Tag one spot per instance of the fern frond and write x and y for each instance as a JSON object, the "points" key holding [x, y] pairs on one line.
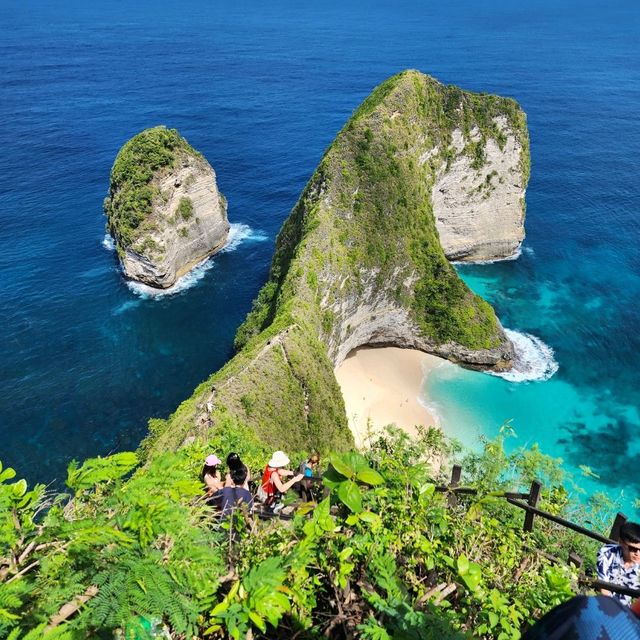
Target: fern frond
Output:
{"points": [[96, 470]]}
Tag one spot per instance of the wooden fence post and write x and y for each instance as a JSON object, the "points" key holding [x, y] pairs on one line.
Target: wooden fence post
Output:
{"points": [[575, 560], [617, 523], [534, 498], [456, 474]]}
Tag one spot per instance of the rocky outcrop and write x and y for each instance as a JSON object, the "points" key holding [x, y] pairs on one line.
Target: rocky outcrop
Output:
{"points": [[479, 210], [359, 262], [368, 238], [375, 319], [164, 209]]}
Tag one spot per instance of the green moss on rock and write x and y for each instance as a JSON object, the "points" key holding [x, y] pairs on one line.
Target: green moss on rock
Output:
{"points": [[131, 192], [185, 208]]}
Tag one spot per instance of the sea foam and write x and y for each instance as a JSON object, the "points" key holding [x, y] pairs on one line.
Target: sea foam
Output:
{"points": [[533, 359], [238, 234], [108, 242], [514, 256], [186, 282], [241, 234]]}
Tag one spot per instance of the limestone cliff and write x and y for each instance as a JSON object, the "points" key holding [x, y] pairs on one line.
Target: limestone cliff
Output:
{"points": [[359, 262], [164, 209], [478, 202]]}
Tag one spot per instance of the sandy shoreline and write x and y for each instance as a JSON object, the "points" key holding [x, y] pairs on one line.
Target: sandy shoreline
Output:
{"points": [[381, 386]]}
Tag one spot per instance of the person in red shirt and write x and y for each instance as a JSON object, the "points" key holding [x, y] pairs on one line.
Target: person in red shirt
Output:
{"points": [[273, 486]]}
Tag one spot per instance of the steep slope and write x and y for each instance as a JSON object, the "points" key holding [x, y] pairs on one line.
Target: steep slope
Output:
{"points": [[164, 209], [358, 262]]}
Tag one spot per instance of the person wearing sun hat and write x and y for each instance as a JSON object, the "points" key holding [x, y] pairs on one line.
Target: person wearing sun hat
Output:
{"points": [[272, 486], [211, 477]]}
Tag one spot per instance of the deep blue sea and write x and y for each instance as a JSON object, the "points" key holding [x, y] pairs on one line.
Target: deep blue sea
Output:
{"points": [[261, 89]]}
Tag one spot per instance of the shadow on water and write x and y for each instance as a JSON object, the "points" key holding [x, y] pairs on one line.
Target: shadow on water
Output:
{"points": [[609, 450]]}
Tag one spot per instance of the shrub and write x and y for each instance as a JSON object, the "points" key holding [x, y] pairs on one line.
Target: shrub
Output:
{"points": [[185, 208], [383, 556], [131, 192]]}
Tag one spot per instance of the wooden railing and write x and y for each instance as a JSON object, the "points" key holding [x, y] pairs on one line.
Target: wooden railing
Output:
{"points": [[528, 502]]}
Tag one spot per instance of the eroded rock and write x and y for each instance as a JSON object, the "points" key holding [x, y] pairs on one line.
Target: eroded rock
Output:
{"points": [[164, 209]]}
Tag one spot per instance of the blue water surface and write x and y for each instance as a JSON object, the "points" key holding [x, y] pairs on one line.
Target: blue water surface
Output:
{"points": [[261, 89]]}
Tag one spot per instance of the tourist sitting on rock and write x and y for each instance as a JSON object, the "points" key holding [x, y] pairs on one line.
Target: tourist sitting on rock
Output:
{"points": [[308, 468], [620, 563], [236, 492], [272, 488], [211, 477], [236, 466]]}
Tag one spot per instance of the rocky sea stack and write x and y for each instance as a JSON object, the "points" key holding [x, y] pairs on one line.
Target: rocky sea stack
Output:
{"points": [[164, 209], [359, 262]]}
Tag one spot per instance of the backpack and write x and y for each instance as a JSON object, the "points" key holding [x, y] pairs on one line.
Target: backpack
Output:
{"points": [[261, 494]]}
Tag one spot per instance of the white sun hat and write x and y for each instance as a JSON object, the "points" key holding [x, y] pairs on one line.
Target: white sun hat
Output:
{"points": [[279, 459]]}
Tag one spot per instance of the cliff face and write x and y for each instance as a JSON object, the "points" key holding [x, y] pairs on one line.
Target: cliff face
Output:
{"points": [[164, 209], [362, 244], [359, 262], [479, 207]]}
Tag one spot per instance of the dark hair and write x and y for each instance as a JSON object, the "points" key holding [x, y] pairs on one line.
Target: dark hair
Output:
{"points": [[630, 532], [234, 462], [208, 470], [239, 475]]}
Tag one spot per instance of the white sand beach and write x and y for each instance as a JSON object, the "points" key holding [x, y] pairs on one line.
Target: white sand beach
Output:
{"points": [[380, 386]]}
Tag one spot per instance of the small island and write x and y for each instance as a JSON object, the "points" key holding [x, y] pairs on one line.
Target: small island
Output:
{"points": [[164, 210]]}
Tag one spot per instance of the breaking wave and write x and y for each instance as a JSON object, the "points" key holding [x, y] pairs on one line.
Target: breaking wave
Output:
{"points": [[514, 256], [108, 242], [533, 359], [186, 282], [238, 234]]}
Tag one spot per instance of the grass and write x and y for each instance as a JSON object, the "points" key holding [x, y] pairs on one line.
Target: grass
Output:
{"points": [[185, 208]]}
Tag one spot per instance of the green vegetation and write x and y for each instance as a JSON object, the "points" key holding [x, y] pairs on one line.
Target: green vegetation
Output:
{"points": [[185, 208], [366, 214], [131, 547], [363, 228], [147, 246], [281, 384], [131, 193]]}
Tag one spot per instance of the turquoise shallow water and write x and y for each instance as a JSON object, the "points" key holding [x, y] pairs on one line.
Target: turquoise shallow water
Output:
{"points": [[261, 89], [586, 413]]}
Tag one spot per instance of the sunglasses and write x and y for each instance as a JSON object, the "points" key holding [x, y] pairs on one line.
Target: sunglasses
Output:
{"points": [[632, 548]]}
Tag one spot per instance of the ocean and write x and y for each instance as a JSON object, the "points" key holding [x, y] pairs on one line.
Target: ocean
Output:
{"points": [[261, 89]]}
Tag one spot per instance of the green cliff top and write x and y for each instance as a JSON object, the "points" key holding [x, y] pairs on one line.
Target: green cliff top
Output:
{"points": [[367, 212], [131, 191], [363, 229]]}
